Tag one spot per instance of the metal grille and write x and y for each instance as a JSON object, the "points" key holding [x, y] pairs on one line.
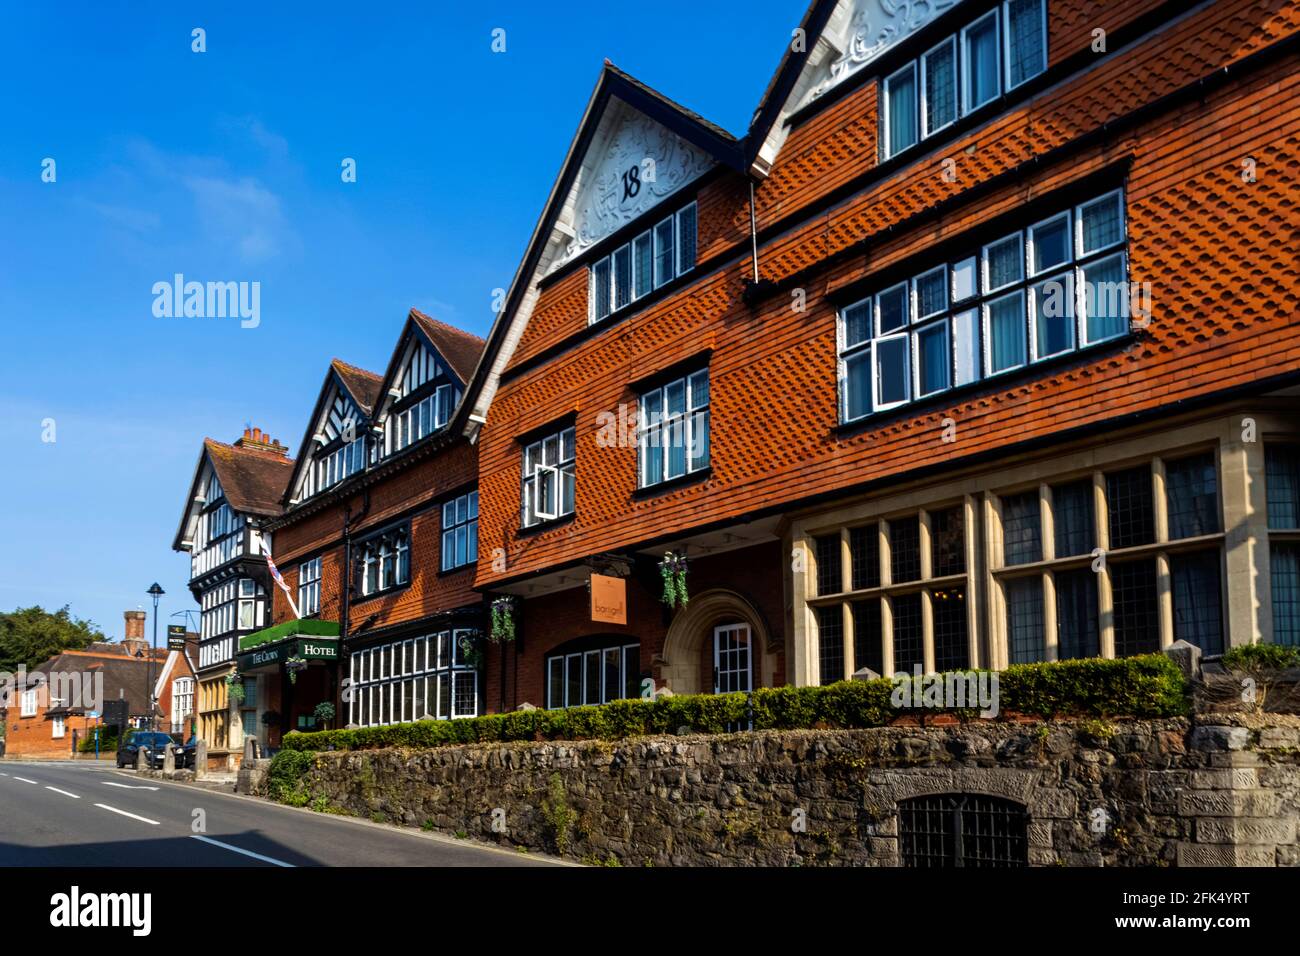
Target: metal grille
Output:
{"points": [[1198, 611], [1072, 507], [905, 549], [864, 546], [948, 542], [868, 649], [1128, 498], [830, 579], [1285, 572], [1282, 473], [1133, 592], [951, 650], [830, 643], [1077, 633], [950, 830], [1192, 490], [1021, 528], [1025, 620], [908, 651]]}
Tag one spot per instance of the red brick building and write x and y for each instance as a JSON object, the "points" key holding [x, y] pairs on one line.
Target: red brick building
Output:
{"points": [[385, 488], [49, 715], [979, 346]]}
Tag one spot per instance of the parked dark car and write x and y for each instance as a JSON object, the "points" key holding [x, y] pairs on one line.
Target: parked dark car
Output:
{"points": [[153, 742], [185, 754]]}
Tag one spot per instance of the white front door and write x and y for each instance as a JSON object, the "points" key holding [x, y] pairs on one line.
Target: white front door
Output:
{"points": [[731, 659]]}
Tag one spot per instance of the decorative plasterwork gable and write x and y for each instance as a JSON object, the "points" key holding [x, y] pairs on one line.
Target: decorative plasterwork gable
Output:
{"points": [[856, 35], [634, 163]]}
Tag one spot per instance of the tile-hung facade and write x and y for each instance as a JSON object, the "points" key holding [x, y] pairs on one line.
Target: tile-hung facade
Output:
{"points": [[377, 544], [235, 490], [979, 347]]}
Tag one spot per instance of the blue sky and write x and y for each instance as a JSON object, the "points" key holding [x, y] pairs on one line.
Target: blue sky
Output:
{"points": [[225, 166]]}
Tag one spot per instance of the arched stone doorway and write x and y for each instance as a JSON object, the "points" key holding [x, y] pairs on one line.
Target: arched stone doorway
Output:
{"points": [[690, 640]]}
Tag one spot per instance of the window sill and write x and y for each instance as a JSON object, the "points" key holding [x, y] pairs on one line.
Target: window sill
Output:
{"points": [[547, 525], [690, 478], [395, 589]]}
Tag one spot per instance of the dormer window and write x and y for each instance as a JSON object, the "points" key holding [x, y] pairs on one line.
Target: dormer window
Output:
{"points": [[340, 447], [635, 269], [423, 399]]}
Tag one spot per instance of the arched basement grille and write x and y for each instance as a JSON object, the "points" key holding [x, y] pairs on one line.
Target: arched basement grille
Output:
{"points": [[962, 829]]}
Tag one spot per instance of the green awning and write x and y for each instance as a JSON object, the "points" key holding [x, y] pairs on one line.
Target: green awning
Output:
{"points": [[309, 626]]}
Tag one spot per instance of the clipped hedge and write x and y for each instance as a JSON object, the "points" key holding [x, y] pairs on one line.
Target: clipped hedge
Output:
{"points": [[1149, 686]]}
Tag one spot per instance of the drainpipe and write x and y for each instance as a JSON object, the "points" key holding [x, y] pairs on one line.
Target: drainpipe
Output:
{"points": [[753, 231], [345, 602]]}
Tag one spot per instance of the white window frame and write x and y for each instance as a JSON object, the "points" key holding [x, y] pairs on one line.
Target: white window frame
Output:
{"points": [[450, 528], [1068, 273], [27, 703], [967, 106], [1031, 245], [876, 315], [1079, 251], [1081, 304], [1005, 29], [988, 338], [530, 482], [985, 288], [309, 573], [890, 150], [685, 419], [57, 727], [915, 305], [946, 323], [906, 335], [956, 90]]}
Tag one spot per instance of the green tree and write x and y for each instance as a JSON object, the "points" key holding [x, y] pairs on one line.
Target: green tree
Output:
{"points": [[32, 635]]}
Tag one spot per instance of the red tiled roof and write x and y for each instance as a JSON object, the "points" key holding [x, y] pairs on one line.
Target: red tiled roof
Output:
{"points": [[253, 479], [460, 349], [363, 385]]}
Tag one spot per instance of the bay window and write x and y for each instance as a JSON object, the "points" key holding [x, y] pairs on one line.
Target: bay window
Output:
{"points": [[431, 677], [1053, 288]]}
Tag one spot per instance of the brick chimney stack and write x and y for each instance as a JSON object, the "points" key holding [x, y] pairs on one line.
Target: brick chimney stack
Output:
{"points": [[258, 440], [134, 641]]}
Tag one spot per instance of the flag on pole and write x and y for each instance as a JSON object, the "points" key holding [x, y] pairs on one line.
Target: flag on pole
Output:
{"points": [[275, 573]]}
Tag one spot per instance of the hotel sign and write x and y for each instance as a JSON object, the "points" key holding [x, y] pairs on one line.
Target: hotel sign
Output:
{"points": [[175, 637], [308, 648], [608, 599]]}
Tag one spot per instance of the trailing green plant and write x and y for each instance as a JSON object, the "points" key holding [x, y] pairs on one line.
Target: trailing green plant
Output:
{"points": [[673, 571], [504, 610], [557, 813], [1150, 686], [235, 686], [286, 777], [294, 666]]}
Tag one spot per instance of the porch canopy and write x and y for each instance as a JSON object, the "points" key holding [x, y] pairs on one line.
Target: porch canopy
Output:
{"points": [[265, 650]]}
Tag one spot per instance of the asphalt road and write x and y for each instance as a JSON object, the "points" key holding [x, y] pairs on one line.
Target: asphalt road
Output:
{"points": [[77, 814]]}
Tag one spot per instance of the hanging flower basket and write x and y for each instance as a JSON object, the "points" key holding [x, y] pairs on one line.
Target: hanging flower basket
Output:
{"points": [[294, 666], [673, 571], [504, 611], [235, 686]]}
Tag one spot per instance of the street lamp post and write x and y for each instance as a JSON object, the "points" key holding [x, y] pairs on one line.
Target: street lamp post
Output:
{"points": [[155, 592]]}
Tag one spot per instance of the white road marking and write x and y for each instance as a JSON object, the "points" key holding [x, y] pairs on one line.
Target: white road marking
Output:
{"points": [[105, 806], [24, 780], [126, 786], [64, 792], [255, 856]]}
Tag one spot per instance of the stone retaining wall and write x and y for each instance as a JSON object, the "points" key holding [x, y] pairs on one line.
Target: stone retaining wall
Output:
{"points": [[1154, 793]]}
